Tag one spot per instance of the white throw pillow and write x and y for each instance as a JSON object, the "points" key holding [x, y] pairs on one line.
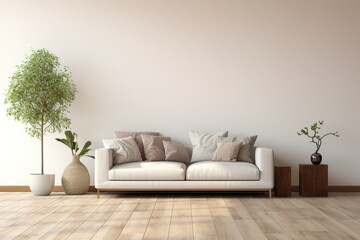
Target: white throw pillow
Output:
{"points": [[204, 144], [126, 149]]}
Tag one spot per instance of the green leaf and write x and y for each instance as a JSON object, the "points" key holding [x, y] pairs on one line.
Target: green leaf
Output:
{"points": [[64, 141], [73, 145], [76, 147], [69, 136], [85, 149]]}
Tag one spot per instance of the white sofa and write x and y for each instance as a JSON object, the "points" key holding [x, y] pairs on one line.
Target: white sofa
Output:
{"points": [[176, 176]]}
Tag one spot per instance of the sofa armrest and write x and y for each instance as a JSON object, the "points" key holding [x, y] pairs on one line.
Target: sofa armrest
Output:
{"points": [[103, 163], [264, 160]]}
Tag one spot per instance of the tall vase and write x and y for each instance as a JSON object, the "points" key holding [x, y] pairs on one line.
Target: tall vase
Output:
{"points": [[75, 178], [316, 158]]}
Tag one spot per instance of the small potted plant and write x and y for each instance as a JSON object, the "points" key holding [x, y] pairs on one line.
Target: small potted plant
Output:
{"points": [[39, 95], [316, 138], [75, 178]]}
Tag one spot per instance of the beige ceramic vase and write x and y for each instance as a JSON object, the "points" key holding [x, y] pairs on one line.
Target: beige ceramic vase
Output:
{"points": [[75, 178]]}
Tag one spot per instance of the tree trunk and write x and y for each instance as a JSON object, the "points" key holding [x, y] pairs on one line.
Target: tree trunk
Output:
{"points": [[42, 145]]}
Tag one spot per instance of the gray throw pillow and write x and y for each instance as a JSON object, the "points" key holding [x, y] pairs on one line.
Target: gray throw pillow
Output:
{"points": [[126, 149], [204, 144]]}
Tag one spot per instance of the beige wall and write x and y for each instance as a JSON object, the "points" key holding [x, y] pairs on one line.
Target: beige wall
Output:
{"points": [[251, 67]]}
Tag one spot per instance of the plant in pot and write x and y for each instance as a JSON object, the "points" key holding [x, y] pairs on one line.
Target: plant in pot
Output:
{"points": [[39, 95], [316, 138], [75, 178]]}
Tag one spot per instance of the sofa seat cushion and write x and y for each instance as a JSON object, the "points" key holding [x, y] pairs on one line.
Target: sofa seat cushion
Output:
{"points": [[214, 170], [154, 170]]}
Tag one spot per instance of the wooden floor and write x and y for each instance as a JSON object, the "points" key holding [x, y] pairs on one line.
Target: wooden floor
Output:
{"points": [[179, 216]]}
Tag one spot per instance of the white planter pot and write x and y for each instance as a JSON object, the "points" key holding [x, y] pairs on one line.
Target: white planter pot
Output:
{"points": [[42, 185]]}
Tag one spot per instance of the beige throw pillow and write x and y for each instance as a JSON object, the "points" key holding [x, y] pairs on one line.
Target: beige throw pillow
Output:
{"points": [[247, 143], [175, 152], [153, 147], [227, 151], [137, 137], [204, 144], [126, 149]]}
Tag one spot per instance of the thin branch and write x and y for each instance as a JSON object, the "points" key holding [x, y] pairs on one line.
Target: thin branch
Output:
{"points": [[333, 133], [315, 137], [46, 127]]}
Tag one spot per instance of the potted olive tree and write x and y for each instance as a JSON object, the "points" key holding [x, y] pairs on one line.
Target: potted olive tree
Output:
{"points": [[39, 95]]}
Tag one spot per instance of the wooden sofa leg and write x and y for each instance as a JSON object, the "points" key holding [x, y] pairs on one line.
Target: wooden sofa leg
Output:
{"points": [[270, 192], [98, 193]]}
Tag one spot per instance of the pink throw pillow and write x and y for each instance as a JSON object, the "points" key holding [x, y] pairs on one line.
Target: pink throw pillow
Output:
{"points": [[227, 151], [153, 147], [175, 152], [247, 143]]}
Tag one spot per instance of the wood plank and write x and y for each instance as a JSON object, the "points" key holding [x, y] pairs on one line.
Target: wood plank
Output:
{"points": [[237, 209], [7, 199], [159, 225], [92, 224], [266, 223], [181, 226], [39, 229], [112, 228], [249, 229], [197, 204], [16, 212], [216, 203], [224, 224], [66, 227], [136, 226], [182, 205], [18, 226], [352, 224], [203, 225], [163, 206]]}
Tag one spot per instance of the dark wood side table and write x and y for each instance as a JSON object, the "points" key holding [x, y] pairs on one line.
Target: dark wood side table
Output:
{"points": [[282, 181], [313, 180]]}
